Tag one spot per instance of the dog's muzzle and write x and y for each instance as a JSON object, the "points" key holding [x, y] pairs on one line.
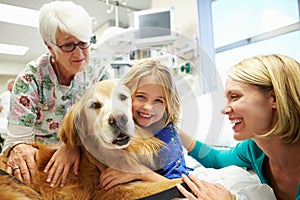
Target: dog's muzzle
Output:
{"points": [[119, 123]]}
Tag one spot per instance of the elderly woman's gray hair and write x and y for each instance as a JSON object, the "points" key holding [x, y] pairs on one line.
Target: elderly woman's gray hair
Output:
{"points": [[67, 17]]}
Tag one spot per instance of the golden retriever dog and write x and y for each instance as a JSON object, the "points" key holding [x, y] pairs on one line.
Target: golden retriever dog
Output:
{"points": [[101, 125]]}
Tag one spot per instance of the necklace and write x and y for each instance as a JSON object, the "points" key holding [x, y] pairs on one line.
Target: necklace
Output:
{"points": [[61, 80]]}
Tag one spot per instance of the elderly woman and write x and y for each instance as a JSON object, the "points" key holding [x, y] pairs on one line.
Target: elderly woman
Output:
{"points": [[47, 87], [263, 104]]}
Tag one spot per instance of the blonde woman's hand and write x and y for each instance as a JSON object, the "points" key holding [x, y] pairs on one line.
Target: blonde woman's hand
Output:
{"points": [[21, 162], [59, 166], [201, 189]]}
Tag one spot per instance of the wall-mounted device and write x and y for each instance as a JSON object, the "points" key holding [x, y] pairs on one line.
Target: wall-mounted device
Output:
{"points": [[156, 26]]}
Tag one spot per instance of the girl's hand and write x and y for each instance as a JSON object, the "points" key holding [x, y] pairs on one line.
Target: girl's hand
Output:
{"points": [[21, 162], [60, 164], [203, 190], [112, 177]]}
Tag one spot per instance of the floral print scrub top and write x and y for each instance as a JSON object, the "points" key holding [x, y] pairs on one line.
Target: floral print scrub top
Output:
{"points": [[38, 101]]}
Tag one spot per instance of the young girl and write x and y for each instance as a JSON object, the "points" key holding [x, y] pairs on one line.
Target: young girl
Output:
{"points": [[156, 108]]}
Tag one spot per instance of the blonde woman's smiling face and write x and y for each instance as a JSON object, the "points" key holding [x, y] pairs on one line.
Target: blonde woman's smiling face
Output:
{"points": [[249, 109]]}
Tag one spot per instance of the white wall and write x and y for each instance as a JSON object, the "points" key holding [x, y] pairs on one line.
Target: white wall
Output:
{"points": [[12, 69], [186, 17]]}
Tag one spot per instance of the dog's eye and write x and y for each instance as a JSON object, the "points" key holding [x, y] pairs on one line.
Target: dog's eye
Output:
{"points": [[95, 105], [123, 97]]}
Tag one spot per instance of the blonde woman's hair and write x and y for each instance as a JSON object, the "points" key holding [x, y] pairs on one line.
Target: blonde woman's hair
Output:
{"points": [[163, 77], [66, 16], [281, 74]]}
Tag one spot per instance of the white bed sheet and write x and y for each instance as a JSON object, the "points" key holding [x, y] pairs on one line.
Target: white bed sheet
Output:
{"points": [[244, 184]]}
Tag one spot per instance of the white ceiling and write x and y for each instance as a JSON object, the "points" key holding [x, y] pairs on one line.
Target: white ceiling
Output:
{"points": [[29, 36]]}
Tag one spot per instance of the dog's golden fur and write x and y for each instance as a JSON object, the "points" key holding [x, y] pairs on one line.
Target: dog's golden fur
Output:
{"points": [[86, 184]]}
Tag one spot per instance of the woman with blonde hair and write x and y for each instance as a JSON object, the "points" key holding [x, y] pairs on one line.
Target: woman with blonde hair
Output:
{"points": [[263, 104]]}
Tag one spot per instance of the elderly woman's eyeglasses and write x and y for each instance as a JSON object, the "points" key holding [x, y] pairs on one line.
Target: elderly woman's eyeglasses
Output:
{"points": [[69, 47]]}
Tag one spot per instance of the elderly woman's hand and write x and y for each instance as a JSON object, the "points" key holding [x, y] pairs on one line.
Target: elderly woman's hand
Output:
{"points": [[59, 166], [203, 190], [21, 162]]}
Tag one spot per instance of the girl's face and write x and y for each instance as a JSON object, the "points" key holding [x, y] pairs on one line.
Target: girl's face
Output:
{"points": [[148, 104], [70, 62], [249, 109]]}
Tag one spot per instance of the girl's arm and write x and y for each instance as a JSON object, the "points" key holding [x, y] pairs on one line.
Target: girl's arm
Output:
{"points": [[187, 141], [112, 177]]}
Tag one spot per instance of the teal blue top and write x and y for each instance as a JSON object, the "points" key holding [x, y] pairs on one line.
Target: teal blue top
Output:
{"points": [[244, 154]]}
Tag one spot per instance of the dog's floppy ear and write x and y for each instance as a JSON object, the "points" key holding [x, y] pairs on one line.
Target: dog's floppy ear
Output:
{"points": [[68, 133]]}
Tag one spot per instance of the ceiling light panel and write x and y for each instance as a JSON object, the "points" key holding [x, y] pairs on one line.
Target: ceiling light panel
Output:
{"points": [[13, 49], [19, 15]]}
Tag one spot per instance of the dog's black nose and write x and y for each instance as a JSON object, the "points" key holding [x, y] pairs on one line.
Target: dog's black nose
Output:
{"points": [[118, 119]]}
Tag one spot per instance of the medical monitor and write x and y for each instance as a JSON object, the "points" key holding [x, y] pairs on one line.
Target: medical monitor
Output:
{"points": [[156, 26]]}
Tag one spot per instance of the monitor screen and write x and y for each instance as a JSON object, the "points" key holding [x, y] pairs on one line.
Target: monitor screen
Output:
{"points": [[155, 25], [161, 21]]}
